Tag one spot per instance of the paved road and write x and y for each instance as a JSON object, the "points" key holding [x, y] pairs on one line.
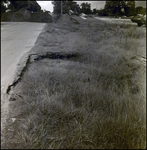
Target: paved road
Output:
{"points": [[116, 20], [113, 20], [17, 38]]}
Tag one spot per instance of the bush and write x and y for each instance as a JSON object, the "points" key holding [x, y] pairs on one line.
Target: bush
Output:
{"points": [[102, 12]]}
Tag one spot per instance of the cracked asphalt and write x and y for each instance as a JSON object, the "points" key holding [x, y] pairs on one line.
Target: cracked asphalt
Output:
{"points": [[17, 38]]}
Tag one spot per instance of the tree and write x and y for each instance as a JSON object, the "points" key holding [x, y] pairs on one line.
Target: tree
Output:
{"points": [[94, 11], [144, 11], [29, 5], [33, 6], [130, 8], [139, 10], [102, 12], [119, 8], [114, 7], [66, 6], [75, 7], [57, 7], [86, 8]]}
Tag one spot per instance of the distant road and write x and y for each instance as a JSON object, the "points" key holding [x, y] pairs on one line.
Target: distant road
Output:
{"points": [[112, 20], [116, 20]]}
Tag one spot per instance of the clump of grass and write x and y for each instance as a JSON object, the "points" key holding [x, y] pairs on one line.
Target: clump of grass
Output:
{"points": [[96, 102]]}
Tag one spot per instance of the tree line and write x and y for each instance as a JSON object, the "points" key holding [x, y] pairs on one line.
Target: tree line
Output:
{"points": [[71, 5], [111, 8], [17, 5], [121, 8]]}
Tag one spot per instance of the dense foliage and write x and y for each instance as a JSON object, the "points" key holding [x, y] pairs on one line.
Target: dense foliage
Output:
{"points": [[111, 8], [29, 5], [17, 5], [119, 8], [66, 6], [86, 8]]}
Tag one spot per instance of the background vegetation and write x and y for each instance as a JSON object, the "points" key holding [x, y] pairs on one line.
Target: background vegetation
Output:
{"points": [[17, 5], [111, 8]]}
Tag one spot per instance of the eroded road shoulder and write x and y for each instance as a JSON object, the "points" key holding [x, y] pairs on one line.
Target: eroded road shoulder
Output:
{"points": [[17, 39]]}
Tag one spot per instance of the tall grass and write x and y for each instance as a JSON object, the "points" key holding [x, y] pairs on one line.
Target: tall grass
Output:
{"points": [[96, 102]]}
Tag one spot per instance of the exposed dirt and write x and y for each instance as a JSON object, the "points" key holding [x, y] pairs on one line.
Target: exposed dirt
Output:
{"points": [[55, 49], [12, 48], [38, 52]]}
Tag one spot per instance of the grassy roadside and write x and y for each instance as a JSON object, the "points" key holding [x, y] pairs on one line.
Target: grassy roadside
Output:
{"points": [[95, 100]]}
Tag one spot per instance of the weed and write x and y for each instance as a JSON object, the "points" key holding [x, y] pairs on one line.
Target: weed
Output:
{"points": [[94, 102]]}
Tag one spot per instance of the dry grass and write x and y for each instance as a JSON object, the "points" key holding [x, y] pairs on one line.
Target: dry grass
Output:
{"points": [[96, 101]]}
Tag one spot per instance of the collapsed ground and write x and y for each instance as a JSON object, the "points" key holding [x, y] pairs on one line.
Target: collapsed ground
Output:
{"points": [[83, 88]]}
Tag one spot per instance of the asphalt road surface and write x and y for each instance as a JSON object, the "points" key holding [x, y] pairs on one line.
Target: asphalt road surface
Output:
{"points": [[17, 38], [113, 20], [116, 20]]}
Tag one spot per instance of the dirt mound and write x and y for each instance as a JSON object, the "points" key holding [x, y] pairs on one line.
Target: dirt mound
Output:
{"points": [[23, 15], [67, 19], [40, 16]]}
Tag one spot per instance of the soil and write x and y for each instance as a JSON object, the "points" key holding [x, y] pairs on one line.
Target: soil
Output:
{"points": [[66, 24], [63, 25]]}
